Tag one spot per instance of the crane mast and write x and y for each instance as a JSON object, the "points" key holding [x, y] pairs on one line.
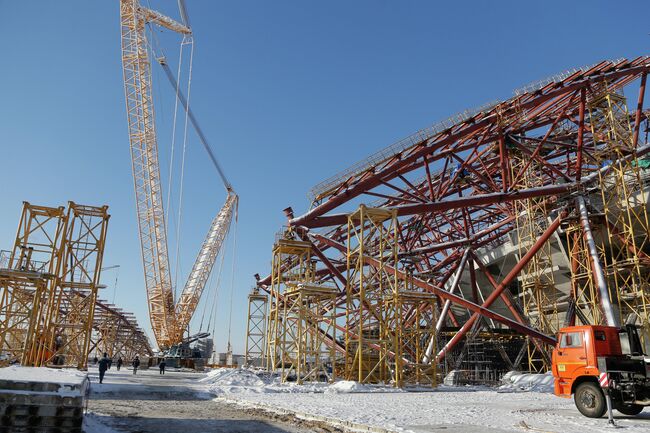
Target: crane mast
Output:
{"points": [[168, 320]]}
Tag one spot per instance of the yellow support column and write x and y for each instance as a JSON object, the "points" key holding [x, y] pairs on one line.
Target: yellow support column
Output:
{"points": [[256, 328], [371, 235]]}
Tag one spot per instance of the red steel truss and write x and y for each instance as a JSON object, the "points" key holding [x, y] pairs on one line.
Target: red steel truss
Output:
{"points": [[453, 186]]}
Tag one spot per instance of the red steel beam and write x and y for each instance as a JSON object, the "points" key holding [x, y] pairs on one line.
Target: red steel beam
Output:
{"points": [[639, 110], [477, 309], [502, 286], [445, 205]]}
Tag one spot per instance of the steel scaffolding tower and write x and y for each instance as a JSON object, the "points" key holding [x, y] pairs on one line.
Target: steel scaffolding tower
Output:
{"points": [[625, 233], [50, 287], [28, 281], [537, 293], [412, 332], [371, 234], [292, 264], [308, 328], [73, 300], [584, 293], [256, 328]]}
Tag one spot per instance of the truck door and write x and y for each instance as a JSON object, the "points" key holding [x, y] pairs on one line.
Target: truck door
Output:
{"points": [[571, 359]]}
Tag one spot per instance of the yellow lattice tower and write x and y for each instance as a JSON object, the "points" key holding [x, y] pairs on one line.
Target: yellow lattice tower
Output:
{"points": [[371, 247], [411, 329], [72, 304], [256, 328], [308, 320], [28, 280], [624, 206], [583, 288], [291, 263], [537, 283]]}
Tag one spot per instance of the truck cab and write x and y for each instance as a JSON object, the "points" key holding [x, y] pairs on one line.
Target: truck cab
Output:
{"points": [[591, 360]]}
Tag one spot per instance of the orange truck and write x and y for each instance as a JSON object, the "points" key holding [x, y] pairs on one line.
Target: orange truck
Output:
{"points": [[590, 362]]}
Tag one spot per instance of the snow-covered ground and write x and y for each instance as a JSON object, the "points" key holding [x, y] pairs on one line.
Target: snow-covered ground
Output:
{"points": [[524, 403]]}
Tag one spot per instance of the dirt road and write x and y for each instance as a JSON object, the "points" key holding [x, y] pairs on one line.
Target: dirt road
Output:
{"points": [[151, 403]]}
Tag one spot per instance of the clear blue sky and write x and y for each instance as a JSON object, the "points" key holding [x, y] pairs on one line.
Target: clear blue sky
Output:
{"points": [[288, 92]]}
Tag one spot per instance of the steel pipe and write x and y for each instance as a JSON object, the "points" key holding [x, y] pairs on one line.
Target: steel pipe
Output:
{"points": [[597, 269]]}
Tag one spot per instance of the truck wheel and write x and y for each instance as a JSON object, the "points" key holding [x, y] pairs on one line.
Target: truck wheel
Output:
{"points": [[629, 409], [590, 400]]}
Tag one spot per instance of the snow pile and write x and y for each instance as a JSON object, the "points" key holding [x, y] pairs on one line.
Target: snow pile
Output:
{"points": [[232, 380], [223, 381], [514, 381], [346, 387]]}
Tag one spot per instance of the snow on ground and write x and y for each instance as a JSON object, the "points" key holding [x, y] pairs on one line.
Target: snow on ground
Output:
{"points": [[456, 409], [93, 424], [226, 381]]}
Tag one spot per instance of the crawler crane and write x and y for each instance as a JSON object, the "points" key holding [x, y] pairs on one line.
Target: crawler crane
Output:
{"points": [[170, 318]]}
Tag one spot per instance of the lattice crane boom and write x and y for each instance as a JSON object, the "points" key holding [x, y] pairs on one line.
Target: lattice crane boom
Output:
{"points": [[168, 320], [198, 278]]}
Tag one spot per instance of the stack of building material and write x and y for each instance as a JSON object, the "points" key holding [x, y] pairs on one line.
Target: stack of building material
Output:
{"points": [[42, 399]]}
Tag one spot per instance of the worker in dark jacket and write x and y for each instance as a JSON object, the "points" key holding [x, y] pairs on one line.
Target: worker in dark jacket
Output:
{"points": [[136, 364], [103, 366], [119, 363], [162, 366]]}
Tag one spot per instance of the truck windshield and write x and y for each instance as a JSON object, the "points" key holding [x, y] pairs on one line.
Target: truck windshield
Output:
{"points": [[571, 339]]}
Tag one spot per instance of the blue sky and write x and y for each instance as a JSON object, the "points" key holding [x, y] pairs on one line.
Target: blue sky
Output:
{"points": [[288, 92]]}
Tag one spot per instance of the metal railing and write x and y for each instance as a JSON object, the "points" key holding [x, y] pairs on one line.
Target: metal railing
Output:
{"points": [[425, 134], [556, 78], [397, 147]]}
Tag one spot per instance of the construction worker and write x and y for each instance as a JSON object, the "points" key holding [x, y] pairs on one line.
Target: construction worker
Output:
{"points": [[103, 366], [162, 366], [119, 363], [136, 364]]}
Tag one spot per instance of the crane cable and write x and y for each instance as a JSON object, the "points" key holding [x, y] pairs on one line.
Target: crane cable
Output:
{"points": [[213, 310], [232, 276], [213, 293], [195, 124], [182, 179], [171, 158], [206, 299]]}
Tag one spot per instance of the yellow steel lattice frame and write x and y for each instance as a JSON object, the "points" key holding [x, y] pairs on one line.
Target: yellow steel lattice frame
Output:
{"points": [[411, 330], [256, 328], [291, 263], [309, 332], [583, 288], [72, 303], [371, 233], [28, 281], [626, 230], [537, 282]]}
